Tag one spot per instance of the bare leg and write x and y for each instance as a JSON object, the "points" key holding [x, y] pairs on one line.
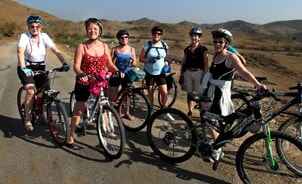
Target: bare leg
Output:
{"points": [[28, 103], [163, 91], [75, 120]]}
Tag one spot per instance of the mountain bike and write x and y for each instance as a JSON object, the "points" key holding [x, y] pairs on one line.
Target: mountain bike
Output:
{"points": [[174, 137], [46, 101], [110, 129], [293, 109], [129, 99]]}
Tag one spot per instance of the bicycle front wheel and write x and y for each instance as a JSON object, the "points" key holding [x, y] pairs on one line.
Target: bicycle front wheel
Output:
{"points": [[171, 136], [111, 132], [57, 122], [293, 128], [135, 109], [257, 160]]}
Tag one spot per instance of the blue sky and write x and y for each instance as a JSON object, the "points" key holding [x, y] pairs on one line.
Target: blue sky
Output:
{"points": [[199, 11]]}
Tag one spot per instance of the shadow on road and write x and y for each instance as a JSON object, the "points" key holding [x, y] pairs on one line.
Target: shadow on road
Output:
{"points": [[12, 127], [136, 154]]}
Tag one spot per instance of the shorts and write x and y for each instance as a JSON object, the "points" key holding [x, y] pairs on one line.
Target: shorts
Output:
{"points": [[81, 92], [192, 81], [40, 81], [158, 79], [116, 81]]}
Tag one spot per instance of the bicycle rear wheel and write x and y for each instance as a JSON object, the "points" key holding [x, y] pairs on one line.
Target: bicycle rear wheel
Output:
{"points": [[257, 160], [136, 105], [111, 133], [293, 128], [57, 122], [171, 135]]}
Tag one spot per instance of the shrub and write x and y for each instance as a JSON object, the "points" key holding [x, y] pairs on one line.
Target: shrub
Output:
{"points": [[9, 29]]}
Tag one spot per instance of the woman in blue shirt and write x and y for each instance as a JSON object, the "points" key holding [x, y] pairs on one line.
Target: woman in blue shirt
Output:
{"points": [[153, 56], [124, 58]]}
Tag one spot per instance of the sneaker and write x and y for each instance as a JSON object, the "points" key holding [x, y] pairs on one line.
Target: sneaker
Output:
{"points": [[216, 155]]}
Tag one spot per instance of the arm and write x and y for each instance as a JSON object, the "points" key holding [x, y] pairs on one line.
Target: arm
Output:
{"points": [[78, 59], [142, 56], [110, 65], [244, 73], [59, 54], [205, 61], [133, 54], [113, 55], [20, 55]]}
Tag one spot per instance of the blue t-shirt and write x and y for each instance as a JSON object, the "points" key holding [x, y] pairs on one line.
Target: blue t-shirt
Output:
{"points": [[155, 59]]}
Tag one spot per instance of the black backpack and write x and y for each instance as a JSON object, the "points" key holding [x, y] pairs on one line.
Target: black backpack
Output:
{"points": [[164, 46]]}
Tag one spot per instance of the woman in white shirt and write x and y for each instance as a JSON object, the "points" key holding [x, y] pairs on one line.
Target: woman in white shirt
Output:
{"points": [[31, 53]]}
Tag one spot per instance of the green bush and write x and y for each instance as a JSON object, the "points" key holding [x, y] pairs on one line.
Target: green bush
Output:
{"points": [[72, 40]]}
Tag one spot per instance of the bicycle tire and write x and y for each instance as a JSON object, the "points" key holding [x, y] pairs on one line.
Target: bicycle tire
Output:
{"points": [[179, 117], [103, 134], [245, 146], [285, 128], [169, 103], [139, 112], [58, 127]]}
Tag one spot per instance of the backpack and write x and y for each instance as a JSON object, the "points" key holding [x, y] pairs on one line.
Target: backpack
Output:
{"points": [[150, 47]]}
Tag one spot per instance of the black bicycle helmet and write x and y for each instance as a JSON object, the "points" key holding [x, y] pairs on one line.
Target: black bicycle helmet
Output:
{"points": [[94, 21], [223, 33], [121, 32], [157, 29], [34, 19], [196, 30]]}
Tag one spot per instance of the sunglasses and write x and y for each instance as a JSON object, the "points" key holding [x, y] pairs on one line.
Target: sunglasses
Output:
{"points": [[124, 37], [156, 33], [33, 27], [218, 42]]}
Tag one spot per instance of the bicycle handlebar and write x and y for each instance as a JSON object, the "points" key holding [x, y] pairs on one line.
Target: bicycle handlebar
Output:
{"points": [[39, 72]]}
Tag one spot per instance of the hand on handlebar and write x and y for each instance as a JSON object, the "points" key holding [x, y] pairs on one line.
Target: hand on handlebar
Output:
{"points": [[65, 67], [28, 72], [83, 78]]}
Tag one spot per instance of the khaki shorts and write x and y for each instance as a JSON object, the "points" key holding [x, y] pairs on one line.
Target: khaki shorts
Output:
{"points": [[192, 80]]}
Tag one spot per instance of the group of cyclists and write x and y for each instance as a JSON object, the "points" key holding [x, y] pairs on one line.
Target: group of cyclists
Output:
{"points": [[94, 56]]}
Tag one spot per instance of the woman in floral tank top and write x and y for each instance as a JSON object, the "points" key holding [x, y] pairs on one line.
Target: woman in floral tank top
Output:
{"points": [[91, 57]]}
